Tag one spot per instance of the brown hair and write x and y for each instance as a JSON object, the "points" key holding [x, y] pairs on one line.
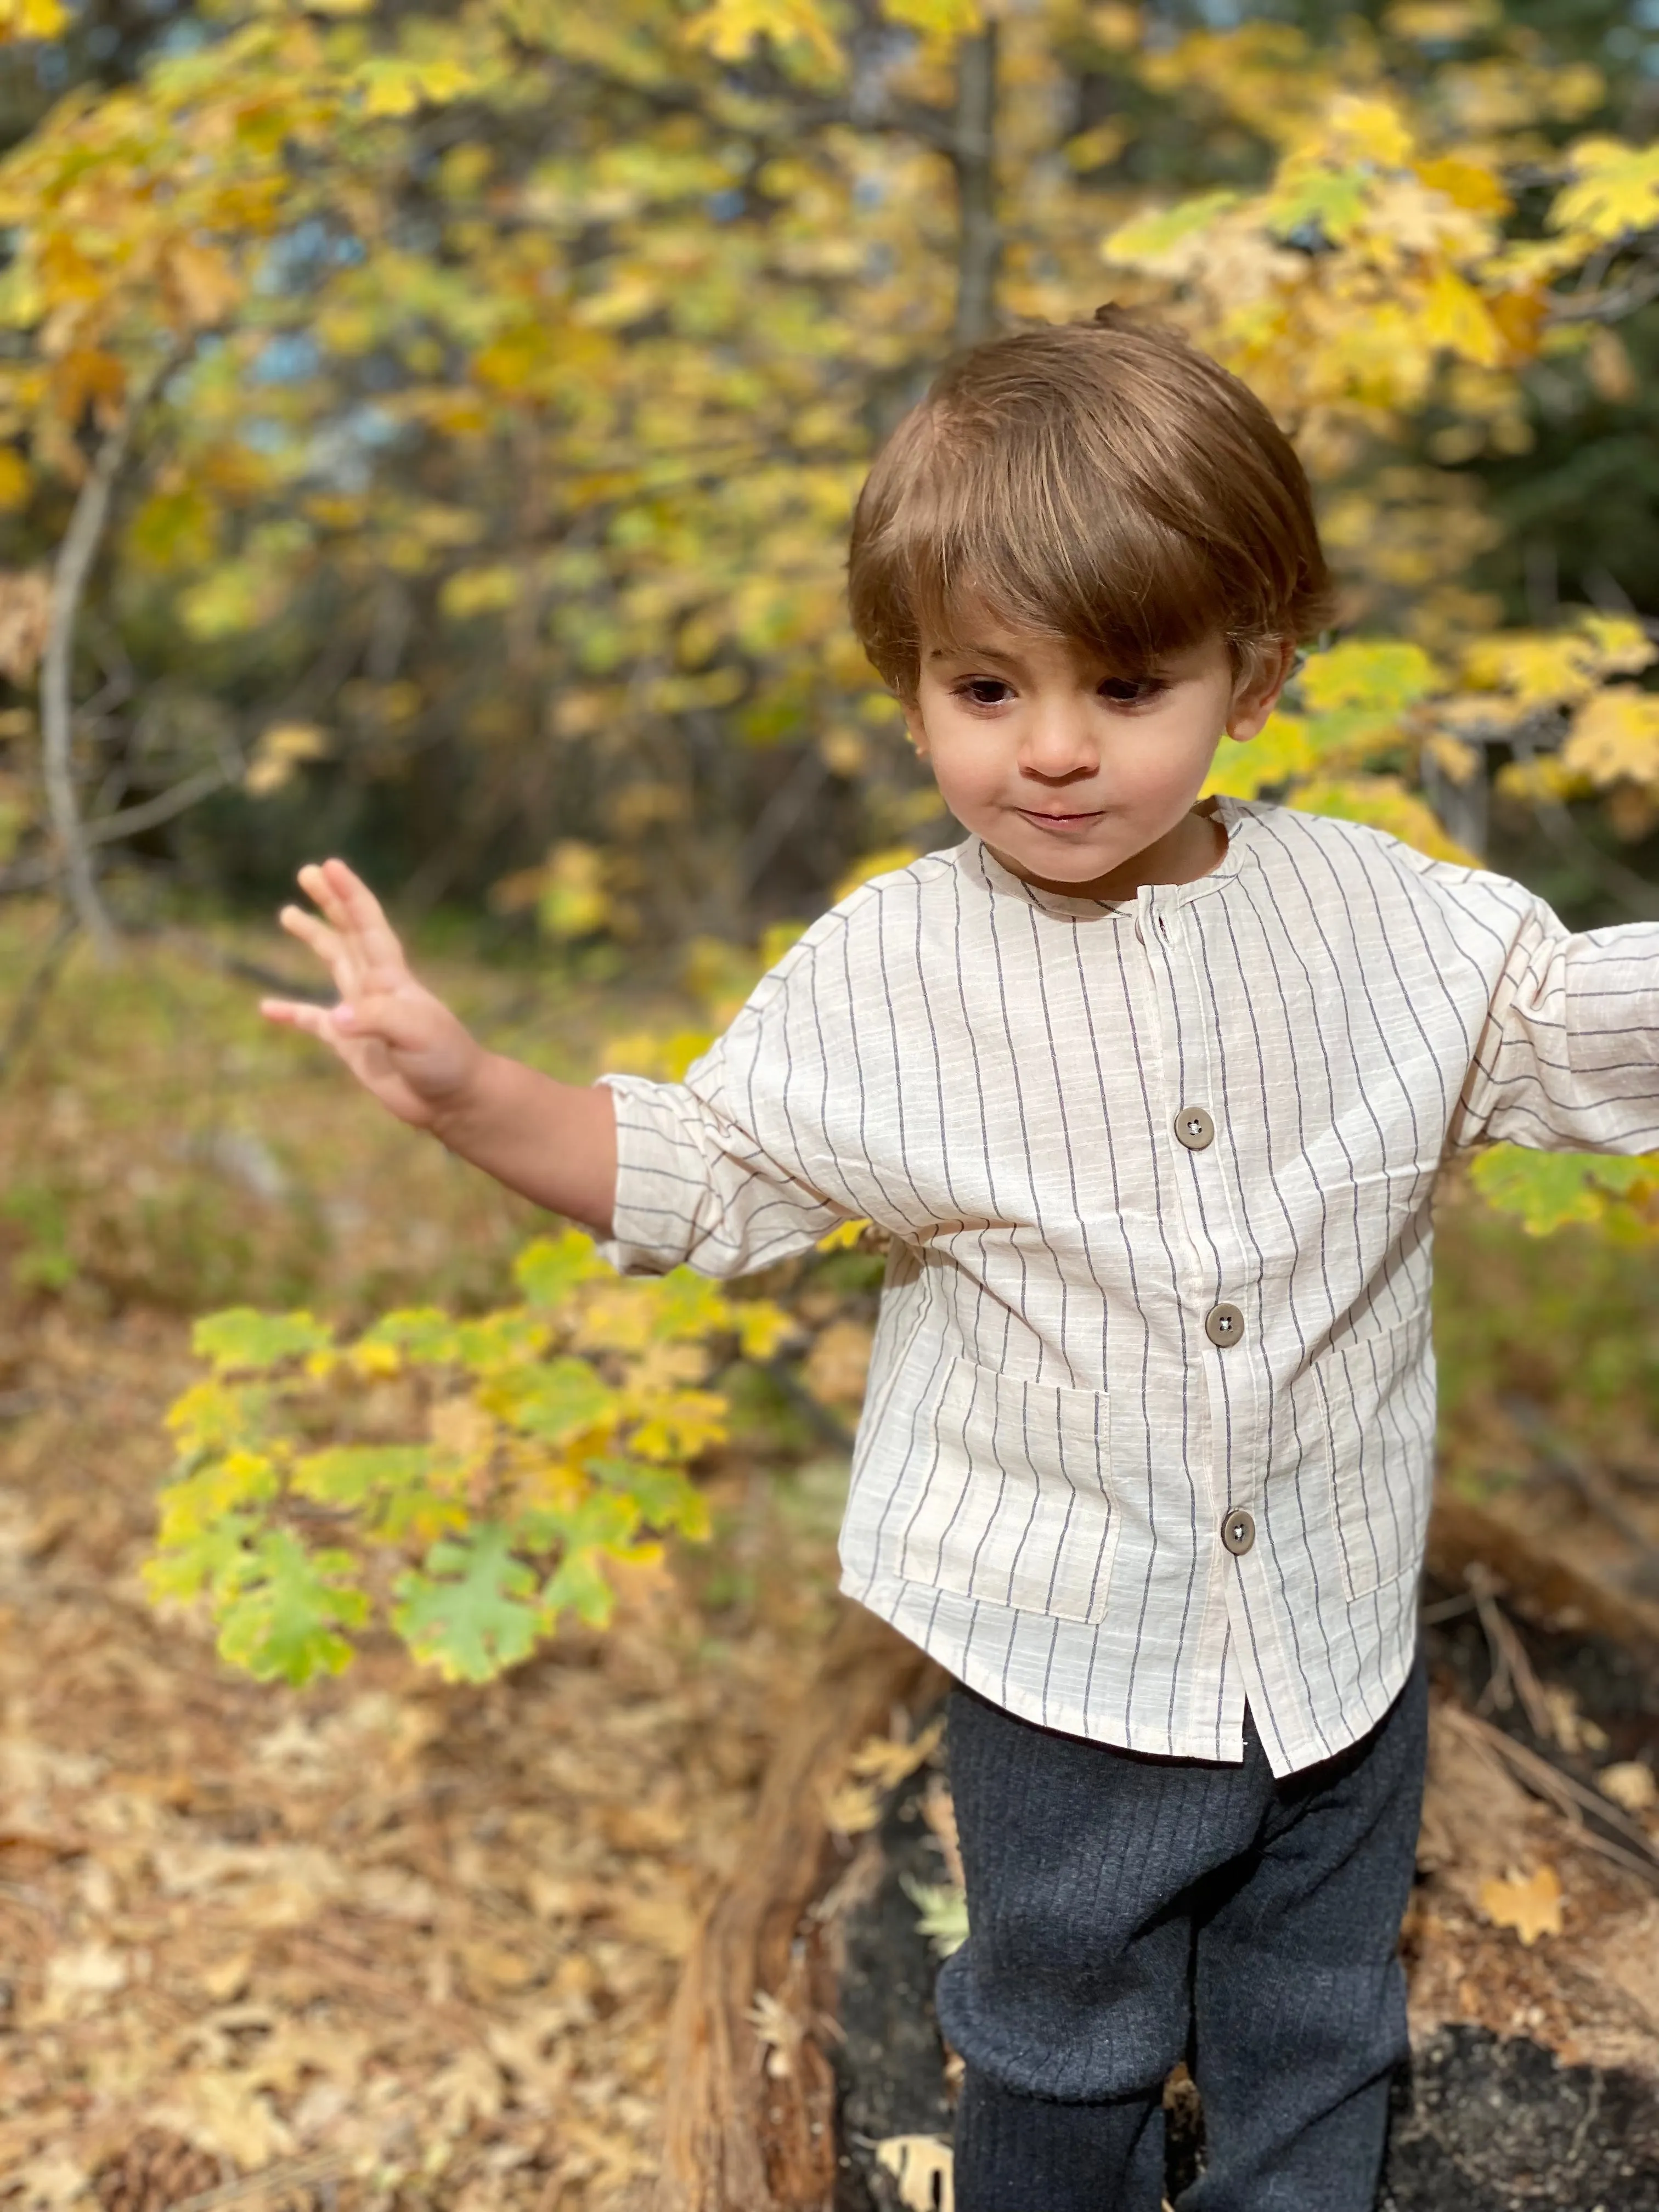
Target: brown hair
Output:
{"points": [[1104, 482]]}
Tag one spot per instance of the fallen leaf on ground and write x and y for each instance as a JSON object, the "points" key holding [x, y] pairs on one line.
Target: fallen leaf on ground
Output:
{"points": [[853, 1809], [1531, 1904], [1629, 1784], [923, 2168], [886, 1761]]}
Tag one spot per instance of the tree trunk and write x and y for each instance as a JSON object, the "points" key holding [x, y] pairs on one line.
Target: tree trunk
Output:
{"points": [[70, 572], [973, 155]]}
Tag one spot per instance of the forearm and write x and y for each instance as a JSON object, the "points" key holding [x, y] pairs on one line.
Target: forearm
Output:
{"points": [[555, 1143]]}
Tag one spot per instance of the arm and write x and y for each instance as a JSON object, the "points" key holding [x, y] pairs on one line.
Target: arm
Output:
{"points": [[1570, 1058], [555, 1142]]}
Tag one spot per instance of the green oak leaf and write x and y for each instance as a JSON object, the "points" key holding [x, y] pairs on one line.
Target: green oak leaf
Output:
{"points": [[283, 1621], [554, 1400], [550, 1269], [1545, 1190], [463, 1612], [244, 1337]]}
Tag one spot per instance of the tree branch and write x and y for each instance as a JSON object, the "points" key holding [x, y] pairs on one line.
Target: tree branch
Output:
{"points": [[106, 829]]}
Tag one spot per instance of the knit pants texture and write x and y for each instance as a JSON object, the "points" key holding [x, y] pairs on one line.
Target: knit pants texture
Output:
{"points": [[1128, 1912]]}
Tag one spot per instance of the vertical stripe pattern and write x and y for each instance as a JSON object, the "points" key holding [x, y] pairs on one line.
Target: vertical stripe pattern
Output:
{"points": [[1052, 1436]]}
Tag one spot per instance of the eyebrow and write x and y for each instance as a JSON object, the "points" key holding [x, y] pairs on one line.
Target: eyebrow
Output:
{"points": [[973, 653]]}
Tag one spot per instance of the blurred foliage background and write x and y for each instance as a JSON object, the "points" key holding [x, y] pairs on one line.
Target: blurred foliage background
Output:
{"points": [[430, 436]]}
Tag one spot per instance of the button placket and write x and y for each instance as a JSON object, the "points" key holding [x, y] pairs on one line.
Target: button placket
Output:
{"points": [[1192, 1037]]}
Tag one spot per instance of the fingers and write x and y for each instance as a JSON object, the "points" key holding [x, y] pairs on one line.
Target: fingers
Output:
{"points": [[355, 914], [295, 1014], [324, 941]]}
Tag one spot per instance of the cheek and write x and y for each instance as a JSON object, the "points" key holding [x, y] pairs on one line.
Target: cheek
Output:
{"points": [[966, 763], [1171, 763]]}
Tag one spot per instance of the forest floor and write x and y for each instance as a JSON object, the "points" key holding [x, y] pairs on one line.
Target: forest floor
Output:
{"points": [[386, 1941]]}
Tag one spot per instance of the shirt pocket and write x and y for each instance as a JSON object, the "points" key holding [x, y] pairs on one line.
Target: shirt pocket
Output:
{"points": [[1365, 1423], [1015, 1505]]}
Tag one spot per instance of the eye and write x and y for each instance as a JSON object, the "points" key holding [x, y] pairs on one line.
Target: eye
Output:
{"points": [[984, 692], [1131, 690]]}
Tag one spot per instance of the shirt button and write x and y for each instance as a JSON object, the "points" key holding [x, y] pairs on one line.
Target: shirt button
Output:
{"points": [[1223, 1325], [1239, 1532], [1194, 1128]]}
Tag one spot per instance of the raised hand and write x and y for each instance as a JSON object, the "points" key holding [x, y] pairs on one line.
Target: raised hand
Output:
{"points": [[401, 1042]]}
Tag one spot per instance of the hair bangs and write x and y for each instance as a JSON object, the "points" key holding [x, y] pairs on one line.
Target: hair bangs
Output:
{"points": [[1016, 544], [1108, 486]]}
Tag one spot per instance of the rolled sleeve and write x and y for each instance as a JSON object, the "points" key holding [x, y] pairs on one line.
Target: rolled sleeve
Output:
{"points": [[1570, 1058], [696, 1188]]}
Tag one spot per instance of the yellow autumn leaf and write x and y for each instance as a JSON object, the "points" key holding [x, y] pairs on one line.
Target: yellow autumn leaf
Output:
{"points": [[573, 901], [842, 1237], [1383, 802], [1615, 737], [1543, 780], [32, 19], [1530, 1904], [1457, 759], [1373, 129], [1621, 646], [939, 20], [886, 1761], [280, 750], [1455, 317], [1536, 668], [731, 29], [1615, 191], [1466, 183], [852, 1809]]}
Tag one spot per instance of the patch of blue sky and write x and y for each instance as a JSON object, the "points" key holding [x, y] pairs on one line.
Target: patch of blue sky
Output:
{"points": [[289, 357]]}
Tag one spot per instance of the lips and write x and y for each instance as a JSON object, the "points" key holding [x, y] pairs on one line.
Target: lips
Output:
{"points": [[1059, 821]]}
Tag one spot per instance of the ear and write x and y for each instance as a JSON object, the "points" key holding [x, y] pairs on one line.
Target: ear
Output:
{"points": [[916, 726], [1266, 666]]}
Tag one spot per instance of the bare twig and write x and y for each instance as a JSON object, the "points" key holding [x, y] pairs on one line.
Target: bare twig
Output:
{"points": [[70, 573], [128, 821], [1636, 292], [202, 948], [1571, 1798], [1512, 1674]]}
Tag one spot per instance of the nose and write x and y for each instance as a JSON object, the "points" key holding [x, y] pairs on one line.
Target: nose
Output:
{"points": [[1058, 746]]}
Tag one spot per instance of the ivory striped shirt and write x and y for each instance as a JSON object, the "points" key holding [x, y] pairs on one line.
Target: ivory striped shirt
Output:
{"points": [[1150, 1418]]}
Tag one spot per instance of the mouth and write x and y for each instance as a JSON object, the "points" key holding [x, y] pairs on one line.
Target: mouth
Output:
{"points": [[1058, 823]]}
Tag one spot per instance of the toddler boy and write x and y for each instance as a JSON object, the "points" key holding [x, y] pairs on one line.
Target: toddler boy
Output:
{"points": [[1151, 1095]]}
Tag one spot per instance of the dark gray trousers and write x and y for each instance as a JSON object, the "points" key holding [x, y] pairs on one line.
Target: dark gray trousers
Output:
{"points": [[1130, 1911]]}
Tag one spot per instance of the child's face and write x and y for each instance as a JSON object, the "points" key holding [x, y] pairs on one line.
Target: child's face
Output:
{"points": [[1078, 780]]}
